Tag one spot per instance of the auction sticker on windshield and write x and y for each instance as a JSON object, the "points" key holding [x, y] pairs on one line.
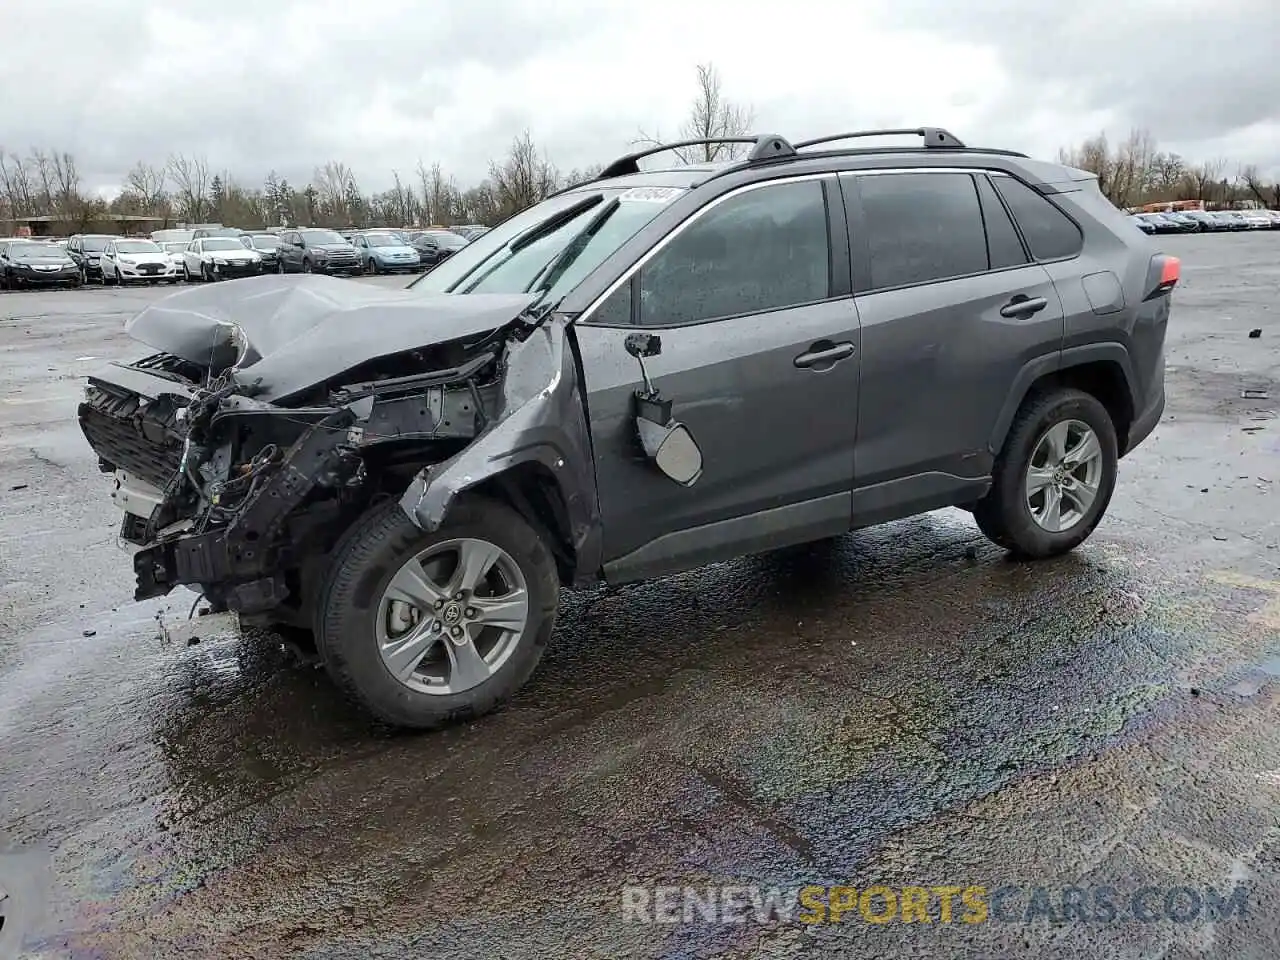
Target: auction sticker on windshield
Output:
{"points": [[650, 194]]}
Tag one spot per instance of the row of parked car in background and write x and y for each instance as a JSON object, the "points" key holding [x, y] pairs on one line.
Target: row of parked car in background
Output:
{"points": [[215, 252], [1205, 221]]}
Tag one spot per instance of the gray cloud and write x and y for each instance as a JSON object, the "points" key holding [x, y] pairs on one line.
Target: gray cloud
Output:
{"points": [[1186, 72], [288, 85]]}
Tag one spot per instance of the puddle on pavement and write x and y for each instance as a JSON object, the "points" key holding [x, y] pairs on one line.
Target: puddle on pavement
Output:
{"points": [[1257, 678]]}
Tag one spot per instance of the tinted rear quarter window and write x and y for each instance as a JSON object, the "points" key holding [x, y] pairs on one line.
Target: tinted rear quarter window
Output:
{"points": [[1049, 232], [921, 227], [1004, 249]]}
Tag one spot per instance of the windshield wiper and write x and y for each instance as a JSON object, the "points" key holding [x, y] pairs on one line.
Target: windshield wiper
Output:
{"points": [[554, 270], [505, 252], [553, 223]]}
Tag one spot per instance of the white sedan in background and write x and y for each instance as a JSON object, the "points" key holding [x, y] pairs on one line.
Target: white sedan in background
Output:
{"points": [[220, 258], [137, 261]]}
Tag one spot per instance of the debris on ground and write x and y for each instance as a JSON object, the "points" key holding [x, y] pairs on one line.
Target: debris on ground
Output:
{"points": [[19, 486], [90, 633], [1255, 394], [1255, 333]]}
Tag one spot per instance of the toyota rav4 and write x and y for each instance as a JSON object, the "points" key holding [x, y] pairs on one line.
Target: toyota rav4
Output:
{"points": [[642, 374]]}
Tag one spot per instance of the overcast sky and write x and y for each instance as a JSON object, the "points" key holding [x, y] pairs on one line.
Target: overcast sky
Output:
{"points": [[289, 84]]}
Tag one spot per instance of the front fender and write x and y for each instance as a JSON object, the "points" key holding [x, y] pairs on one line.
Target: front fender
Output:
{"points": [[541, 419]]}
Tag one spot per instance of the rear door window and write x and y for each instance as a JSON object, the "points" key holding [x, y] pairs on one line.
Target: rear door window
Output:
{"points": [[921, 227], [1049, 232]]}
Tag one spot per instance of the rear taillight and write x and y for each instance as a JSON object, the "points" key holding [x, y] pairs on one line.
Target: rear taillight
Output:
{"points": [[1163, 275]]}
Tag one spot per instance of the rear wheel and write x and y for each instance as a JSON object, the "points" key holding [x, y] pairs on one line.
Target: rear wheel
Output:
{"points": [[1054, 478], [426, 628]]}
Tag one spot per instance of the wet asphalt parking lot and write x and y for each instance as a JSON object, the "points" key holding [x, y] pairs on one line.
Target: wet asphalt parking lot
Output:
{"points": [[902, 707]]}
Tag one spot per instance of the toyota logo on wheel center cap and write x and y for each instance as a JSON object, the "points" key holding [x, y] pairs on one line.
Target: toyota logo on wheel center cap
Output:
{"points": [[451, 615]]}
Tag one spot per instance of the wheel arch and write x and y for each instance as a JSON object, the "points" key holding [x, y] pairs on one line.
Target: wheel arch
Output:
{"points": [[1103, 370]]}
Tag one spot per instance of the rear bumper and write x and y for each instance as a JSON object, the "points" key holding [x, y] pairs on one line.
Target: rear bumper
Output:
{"points": [[1145, 422]]}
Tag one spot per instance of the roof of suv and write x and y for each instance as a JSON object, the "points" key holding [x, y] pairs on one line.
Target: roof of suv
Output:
{"points": [[770, 151]]}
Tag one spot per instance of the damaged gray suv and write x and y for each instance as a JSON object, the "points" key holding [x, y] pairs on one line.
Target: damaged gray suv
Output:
{"points": [[645, 373]]}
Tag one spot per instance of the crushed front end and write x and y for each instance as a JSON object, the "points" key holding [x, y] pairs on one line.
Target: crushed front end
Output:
{"points": [[242, 499]]}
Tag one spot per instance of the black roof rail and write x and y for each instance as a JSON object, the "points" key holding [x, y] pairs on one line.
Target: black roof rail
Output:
{"points": [[765, 146], [933, 137]]}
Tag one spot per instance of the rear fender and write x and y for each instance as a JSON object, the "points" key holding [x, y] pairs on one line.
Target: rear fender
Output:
{"points": [[1110, 352], [541, 418]]}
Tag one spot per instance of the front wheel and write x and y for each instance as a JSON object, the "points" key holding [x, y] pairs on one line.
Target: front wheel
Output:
{"points": [[1054, 478], [423, 629]]}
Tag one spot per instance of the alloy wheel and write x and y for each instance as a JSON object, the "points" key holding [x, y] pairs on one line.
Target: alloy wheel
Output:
{"points": [[452, 616], [1064, 475]]}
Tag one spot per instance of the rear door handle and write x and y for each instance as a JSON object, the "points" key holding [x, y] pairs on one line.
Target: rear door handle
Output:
{"points": [[824, 354], [1023, 306]]}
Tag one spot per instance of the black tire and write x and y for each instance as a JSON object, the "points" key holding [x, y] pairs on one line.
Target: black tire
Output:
{"points": [[370, 554], [280, 267], [1003, 514], [306, 266]]}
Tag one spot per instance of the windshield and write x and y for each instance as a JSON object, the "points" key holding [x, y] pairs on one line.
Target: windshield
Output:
{"points": [[24, 251], [444, 238], [488, 265], [95, 244], [322, 236], [174, 246], [383, 240], [136, 246], [221, 243], [265, 243]]}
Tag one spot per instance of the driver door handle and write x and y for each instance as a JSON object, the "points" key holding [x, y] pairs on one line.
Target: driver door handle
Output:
{"points": [[1023, 306], [824, 353]]}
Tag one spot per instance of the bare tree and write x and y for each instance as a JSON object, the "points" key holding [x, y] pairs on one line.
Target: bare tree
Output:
{"points": [[524, 177], [1131, 168], [400, 202], [15, 180], [335, 185], [42, 166], [68, 200], [1168, 173], [190, 176], [711, 115], [585, 175], [437, 195], [1094, 156], [1203, 177], [148, 183]]}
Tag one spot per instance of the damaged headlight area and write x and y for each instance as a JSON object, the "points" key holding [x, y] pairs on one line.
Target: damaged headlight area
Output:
{"points": [[243, 499]]}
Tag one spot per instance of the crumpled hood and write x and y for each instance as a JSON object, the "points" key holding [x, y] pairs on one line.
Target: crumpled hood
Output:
{"points": [[302, 331]]}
